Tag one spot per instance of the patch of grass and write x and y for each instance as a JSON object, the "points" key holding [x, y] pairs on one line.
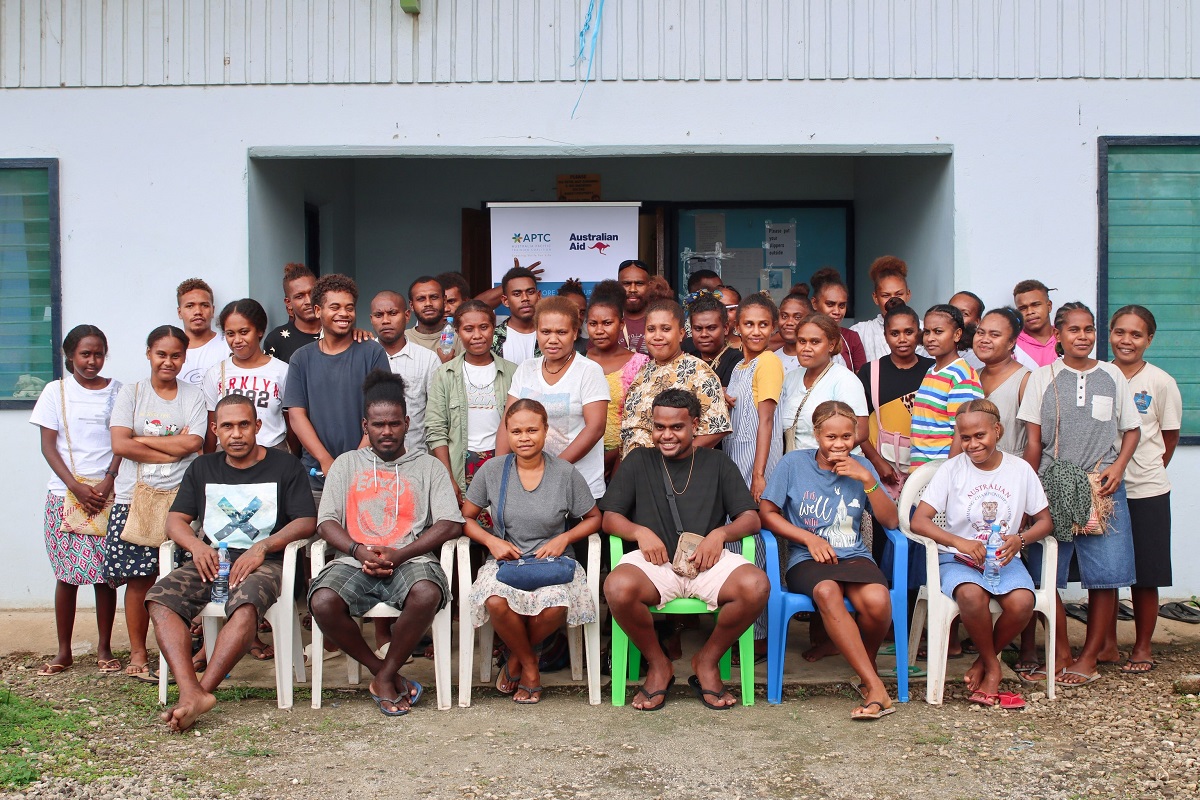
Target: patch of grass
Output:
{"points": [[932, 738], [37, 739], [250, 752]]}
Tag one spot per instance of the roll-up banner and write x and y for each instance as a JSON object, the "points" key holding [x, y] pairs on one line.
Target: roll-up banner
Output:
{"points": [[571, 240]]}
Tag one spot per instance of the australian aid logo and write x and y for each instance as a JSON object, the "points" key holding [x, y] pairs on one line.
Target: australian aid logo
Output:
{"points": [[599, 242]]}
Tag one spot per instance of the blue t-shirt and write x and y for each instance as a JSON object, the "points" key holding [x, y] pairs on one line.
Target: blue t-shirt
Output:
{"points": [[819, 501]]}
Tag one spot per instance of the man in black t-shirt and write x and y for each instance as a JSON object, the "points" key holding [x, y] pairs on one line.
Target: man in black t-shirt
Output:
{"points": [[255, 500], [707, 318], [304, 325], [708, 490]]}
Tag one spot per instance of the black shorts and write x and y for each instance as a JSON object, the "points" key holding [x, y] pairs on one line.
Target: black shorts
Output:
{"points": [[804, 577], [1151, 518]]}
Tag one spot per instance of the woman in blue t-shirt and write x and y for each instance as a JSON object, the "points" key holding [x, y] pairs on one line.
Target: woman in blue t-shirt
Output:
{"points": [[815, 499]]}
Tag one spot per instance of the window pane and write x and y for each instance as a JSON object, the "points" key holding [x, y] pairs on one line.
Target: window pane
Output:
{"points": [[27, 349]]}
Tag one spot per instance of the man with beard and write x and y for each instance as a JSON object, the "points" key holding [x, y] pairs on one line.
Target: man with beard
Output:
{"points": [[634, 277], [387, 511], [454, 291], [415, 364], [205, 348], [515, 339], [428, 302]]}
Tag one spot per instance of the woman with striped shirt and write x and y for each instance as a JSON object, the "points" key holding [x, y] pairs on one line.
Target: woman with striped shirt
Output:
{"points": [[950, 382]]}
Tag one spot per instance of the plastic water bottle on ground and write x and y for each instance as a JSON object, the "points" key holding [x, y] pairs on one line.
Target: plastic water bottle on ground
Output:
{"points": [[991, 563], [220, 589], [446, 342]]}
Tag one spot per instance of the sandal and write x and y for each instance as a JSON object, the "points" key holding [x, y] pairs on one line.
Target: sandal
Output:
{"points": [[140, 672], [1180, 612], [259, 651], [1077, 611], [1030, 676], [1132, 667], [531, 691], [1124, 610], [49, 670], [1011, 701], [702, 693], [108, 665], [1095, 676], [983, 699], [199, 662], [651, 695], [506, 679], [1025, 666], [863, 714], [396, 711]]}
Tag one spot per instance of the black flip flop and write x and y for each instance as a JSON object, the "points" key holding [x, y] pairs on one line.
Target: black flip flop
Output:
{"points": [[1149, 667], [702, 693], [651, 695], [1077, 611], [1124, 611], [1180, 612]]}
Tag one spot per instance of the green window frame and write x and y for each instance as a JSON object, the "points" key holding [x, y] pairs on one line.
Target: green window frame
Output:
{"points": [[1149, 251], [30, 280]]}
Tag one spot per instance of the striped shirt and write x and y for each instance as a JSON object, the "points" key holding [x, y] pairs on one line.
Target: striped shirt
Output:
{"points": [[935, 406]]}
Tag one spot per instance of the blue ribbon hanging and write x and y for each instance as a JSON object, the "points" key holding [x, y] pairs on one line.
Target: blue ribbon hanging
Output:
{"points": [[594, 12]]}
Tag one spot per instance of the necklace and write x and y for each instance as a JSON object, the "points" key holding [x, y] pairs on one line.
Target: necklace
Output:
{"points": [[712, 362], [1138, 371], [689, 477], [473, 385], [561, 367]]}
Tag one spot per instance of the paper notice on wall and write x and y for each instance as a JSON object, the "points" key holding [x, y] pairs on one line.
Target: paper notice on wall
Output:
{"points": [[740, 268], [775, 282], [780, 244], [710, 231]]}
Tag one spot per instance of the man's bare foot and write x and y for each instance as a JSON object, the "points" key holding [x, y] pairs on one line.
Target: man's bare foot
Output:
{"points": [[974, 675], [184, 716], [709, 678], [658, 677], [819, 651]]}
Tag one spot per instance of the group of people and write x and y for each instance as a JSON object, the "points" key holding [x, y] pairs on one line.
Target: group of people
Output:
{"points": [[624, 412]]}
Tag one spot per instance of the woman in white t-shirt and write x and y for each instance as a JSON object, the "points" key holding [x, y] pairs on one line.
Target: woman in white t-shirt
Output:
{"points": [[251, 372], [980, 487], [572, 389], [73, 415], [819, 378]]}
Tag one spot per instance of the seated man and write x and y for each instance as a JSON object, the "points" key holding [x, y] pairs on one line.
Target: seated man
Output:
{"points": [[708, 489], [256, 500], [387, 511]]}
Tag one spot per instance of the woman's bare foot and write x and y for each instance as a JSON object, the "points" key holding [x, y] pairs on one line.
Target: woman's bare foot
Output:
{"points": [[974, 675], [819, 651], [184, 715]]}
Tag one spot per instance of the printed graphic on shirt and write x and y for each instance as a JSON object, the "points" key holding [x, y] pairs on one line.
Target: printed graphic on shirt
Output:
{"points": [[558, 409], [1143, 400], [260, 390], [240, 514], [379, 508], [988, 503], [832, 523]]}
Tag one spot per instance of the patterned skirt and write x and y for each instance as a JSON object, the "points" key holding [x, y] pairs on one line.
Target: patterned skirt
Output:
{"points": [[78, 559], [122, 560], [573, 595], [475, 460]]}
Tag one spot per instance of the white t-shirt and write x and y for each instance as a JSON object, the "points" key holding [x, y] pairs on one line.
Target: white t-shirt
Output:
{"points": [[838, 383], [874, 340], [483, 418], [972, 498], [518, 347], [264, 385], [1156, 397], [154, 416], [581, 383], [789, 362], [200, 359], [416, 365], [88, 413]]}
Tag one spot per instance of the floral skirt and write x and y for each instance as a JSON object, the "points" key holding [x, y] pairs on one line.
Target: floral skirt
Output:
{"points": [[122, 560], [573, 595], [77, 559], [475, 460]]}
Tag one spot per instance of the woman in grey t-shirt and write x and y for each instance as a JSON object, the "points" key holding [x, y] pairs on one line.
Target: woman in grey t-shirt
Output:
{"points": [[541, 493]]}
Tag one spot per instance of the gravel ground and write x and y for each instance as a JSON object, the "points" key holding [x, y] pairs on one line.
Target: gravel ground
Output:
{"points": [[1126, 736]]}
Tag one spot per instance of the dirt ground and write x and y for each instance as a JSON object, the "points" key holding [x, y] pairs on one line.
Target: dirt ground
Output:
{"points": [[1126, 736]]}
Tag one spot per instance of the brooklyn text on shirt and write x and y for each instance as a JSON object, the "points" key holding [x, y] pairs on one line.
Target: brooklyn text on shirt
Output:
{"points": [[252, 386]]}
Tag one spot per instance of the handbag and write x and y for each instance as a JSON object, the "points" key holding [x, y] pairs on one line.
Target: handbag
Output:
{"points": [[147, 521], [789, 433], [1076, 506], [528, 573], [894, 448], [76, 517], [681, 564]]}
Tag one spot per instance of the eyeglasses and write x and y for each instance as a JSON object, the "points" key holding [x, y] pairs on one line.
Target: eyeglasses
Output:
{"points": [[632, 262]]}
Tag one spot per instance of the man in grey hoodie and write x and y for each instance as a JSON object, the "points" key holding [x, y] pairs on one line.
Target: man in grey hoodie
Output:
{"points": [[387, 512]]}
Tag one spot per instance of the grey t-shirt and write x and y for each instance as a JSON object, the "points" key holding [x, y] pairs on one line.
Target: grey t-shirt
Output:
{"points": [[531, 518], [153, 416], [329, 389]]}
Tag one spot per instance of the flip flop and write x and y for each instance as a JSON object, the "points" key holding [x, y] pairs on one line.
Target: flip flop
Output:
{"points": [[395, 712], [1095, 676], [49, 670], [1077, 611], [531, 690], [413, 699], [506, 677], [1028, 675], [913, 671], [259, 651], [871, 716], [1025, 666], [152, 677], [1124, 610], [1132, 667], [140, 672], [701, 693], [108, 665], [1180, 612], [983, 699], [663, 693], [1011, 701], [887, 649]]}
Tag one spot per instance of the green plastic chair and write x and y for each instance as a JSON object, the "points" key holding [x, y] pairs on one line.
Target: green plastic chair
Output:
{"points": [[626, 659]]}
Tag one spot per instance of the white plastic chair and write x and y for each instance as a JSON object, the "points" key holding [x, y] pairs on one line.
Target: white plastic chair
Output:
{"points": [[283, 616], [441, 636], [941, 610], [466, 631]]}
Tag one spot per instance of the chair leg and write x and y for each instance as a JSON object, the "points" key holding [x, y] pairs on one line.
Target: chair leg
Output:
{"points": [[937, 645], [746, 657], [591, 635], [298, 648], [916, 627], [441, 659], [1051, 622], [726, 662], [318, 662], [575, 645], [903, 658], [620, 648], [466, 657], [281, 627], [487, 639], [777, 627], [162, 678], [212, 627]]}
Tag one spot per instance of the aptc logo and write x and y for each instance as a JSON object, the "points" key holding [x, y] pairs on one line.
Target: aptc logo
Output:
{"points": [[524, 238]]}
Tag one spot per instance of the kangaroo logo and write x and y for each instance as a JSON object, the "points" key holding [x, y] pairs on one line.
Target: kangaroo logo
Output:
{"points": [[601, 246]]}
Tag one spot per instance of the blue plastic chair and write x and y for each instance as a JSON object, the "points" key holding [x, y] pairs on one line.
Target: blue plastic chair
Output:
{"points": [[783, 605]]}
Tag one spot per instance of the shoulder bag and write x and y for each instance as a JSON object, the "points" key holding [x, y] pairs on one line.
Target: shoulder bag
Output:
{"points": [[682, 564], [147, 521], [894, 448], [1076, 506], [789, 433], [76, 517], [528, 573]]}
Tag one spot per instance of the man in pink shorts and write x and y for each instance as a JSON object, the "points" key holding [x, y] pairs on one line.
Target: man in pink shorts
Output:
{"points": [[712, 500]]}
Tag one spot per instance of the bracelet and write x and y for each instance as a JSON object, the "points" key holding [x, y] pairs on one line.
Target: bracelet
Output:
{"points": [[111, 473], [354, 550], [1021, 536], [873, 488]]}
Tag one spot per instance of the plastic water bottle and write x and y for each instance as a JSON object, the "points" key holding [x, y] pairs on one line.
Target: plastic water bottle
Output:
{"points": [[446, 342], [991, 563], [315, 472], [220, 590]]}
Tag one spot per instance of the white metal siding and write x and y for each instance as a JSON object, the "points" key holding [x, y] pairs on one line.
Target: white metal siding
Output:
{"points": [[50, 43]]}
